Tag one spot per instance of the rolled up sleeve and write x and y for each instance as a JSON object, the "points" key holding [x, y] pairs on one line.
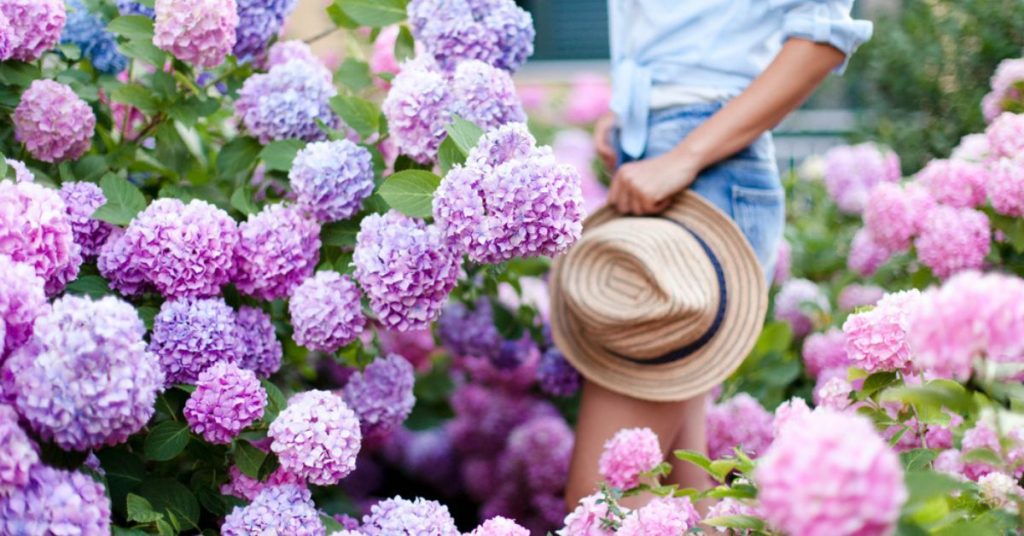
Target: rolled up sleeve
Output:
{"points": [[824, 21]]}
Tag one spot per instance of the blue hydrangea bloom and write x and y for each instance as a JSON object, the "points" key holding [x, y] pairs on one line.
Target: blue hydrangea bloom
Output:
{"points": [[258, 22], [131, 7], [89, 32]]}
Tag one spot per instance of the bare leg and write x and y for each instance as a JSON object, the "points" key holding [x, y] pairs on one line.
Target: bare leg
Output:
{"points": [[602, 414], [692, 436]]}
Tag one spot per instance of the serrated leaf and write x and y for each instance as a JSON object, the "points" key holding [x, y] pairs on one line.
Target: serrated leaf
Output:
{"points": [[93, 286], [124, 201], [374, 13], [405, 45], [166, 440], [248, 458], [237, 156], [140, 510], [279, 155], [354, 74], [132, 27], [411, 192], [361, 115], [137, 96], [465, 134]]}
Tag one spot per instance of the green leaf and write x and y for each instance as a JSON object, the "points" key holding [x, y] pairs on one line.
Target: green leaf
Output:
{"points": [[248, 458], [166, 440], [16, 73], [143, 51], [140, 510], [340, 233], [411, 192], [695, 458], [465, 134], [876, 382], [354, 74], [926, 485], [3, 167], [279, 155], [449, 155], [138, 97], [124, 471], [147, 313], [405, 45], [735, 522], [270, 464], [276, 401], [374, 13], [331, 524], [237, 156], [89, 168], [132, 27], [242, 201], [361, 115], [174, 500], [932, 395], [124, 201], [985, 455], [917, 459], [775, 337], [93, 286], [339, 18]]}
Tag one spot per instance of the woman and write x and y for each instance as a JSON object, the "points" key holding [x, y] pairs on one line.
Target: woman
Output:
{"points": [[697, 85]]}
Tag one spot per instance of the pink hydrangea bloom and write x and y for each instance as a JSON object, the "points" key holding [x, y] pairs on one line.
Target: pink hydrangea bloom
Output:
{"points": [[972, 148], [418, 108], [1005, 187], [1006, 135], [1005, 84], [22, 300], [954, 239], [53, 122], [200, 32], [278, 248], [833, 392], [415, 346], [1000, 490], [35, 25], [245, 487], [383, 58], [82, 199], [664, 516], [35, 230], [957, 183], [895, 214], [789, 413], [739, 422], [588, 518], [852, 171], [316, 437], [824, 351], [833, 476], [589, 98], [795, 300], [283, 52], [227, 399], [400, 516], [949, 461], [784, 263], [984, 436], [732, 507], [854, 296], [499, 526], [260, 350], [629, 453], [876, 340], [866, 256], [17, 452], [326, 312]]}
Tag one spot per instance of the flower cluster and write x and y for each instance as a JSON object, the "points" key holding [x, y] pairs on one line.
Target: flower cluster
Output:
{"points": [[957, 183], [200, 32], [406, 269], [277, 249], [227, 399], [876, 340], [316, 437], [954, 239], [35, 230], [466, 332], [245, 487], [795, 303], [287, 102], [283, 52], [556, 376], [539, 452], [499, 526], [35, 26], [740, 422], [1006, 135], [1005, 87], [258, 22], [855, 295], [285, 509], [382, 395], [189, 335], [485, 95], [17, 453], [896, 213], [260, 351], [400, 516], [55, 501], [1005, 187], [825, 351], [866, 256], [418, 108], [588, 518], [22, 300], [627, 455], [53, 122], [85, 379], [664, 516], [512, 199], [331, 179], [82, 199], [496, 31], [89, 32], [326, 312], [851, 171]]}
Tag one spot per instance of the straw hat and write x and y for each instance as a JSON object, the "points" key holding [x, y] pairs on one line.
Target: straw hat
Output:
{"points": [[658, 308]]}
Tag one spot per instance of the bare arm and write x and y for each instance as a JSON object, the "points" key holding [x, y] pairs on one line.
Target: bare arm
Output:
{"points": [[647, 186]]}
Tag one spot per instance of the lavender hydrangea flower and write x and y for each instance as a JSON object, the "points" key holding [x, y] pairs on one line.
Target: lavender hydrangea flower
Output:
{"points": [[286, 509], [406, 269], [418, 108], [82, 199], [35, 230], [286, 103], [56, 502], [89, 32], [497, 32], [200, 32], [227, 399], [245, 487], [283, 52], [54, 124], [258, 22], [261, 352], [17, 453], [556, 376], [6, 37], [400, 516], [36, 26], [115, 263], [331, 179], [485, 95], [22, 300], [326, 312], [190, 335], [85, 379], [540, 450], [131, 7], [514, 353], [277, 249], [466, 332], [316, 437], [21, 171], [382, 395], [511, 200]]}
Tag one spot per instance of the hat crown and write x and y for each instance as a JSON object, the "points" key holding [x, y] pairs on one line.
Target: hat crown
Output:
{"points": [[645, 286]]}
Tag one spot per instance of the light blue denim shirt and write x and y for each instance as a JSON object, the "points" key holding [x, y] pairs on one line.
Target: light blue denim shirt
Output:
{"points": [[714, 44]]}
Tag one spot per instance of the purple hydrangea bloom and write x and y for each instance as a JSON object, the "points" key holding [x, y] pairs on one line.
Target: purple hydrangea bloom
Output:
{"points": [[85, 379], [115, 262], [507, 204], [399, 516], [317, 437], [331, 179], [181, 250], [283, 52], [131, 7], [6, 37], [382, 395], [17, 453], [485, 95], [418, 108], [540, 450], [406, 269], [326, 312], [82, 199], [258, 22], [497, 32], [484, 417], [261, 352], [556, 376], [56, 502], [466, 332], [36, 24], [89, 32], [22, 300], [245, 487], [189, 335], [286, 103], [512, 354], [53, 122], [277, 249], [35, 230], [200, 32], [21, 171], [286, 509], [227, 399]]}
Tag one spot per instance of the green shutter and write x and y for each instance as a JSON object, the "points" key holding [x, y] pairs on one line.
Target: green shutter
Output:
{"points": [[570, 29]]}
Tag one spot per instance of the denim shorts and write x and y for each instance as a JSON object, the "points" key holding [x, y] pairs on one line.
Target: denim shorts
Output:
{"points": [[746, 186]]}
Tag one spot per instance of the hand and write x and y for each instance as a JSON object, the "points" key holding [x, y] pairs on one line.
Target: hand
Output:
{"points": [[648, 186], [602, 140]]}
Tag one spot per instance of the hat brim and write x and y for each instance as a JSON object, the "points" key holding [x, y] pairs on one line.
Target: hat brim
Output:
{"points": [[699, 372]]}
